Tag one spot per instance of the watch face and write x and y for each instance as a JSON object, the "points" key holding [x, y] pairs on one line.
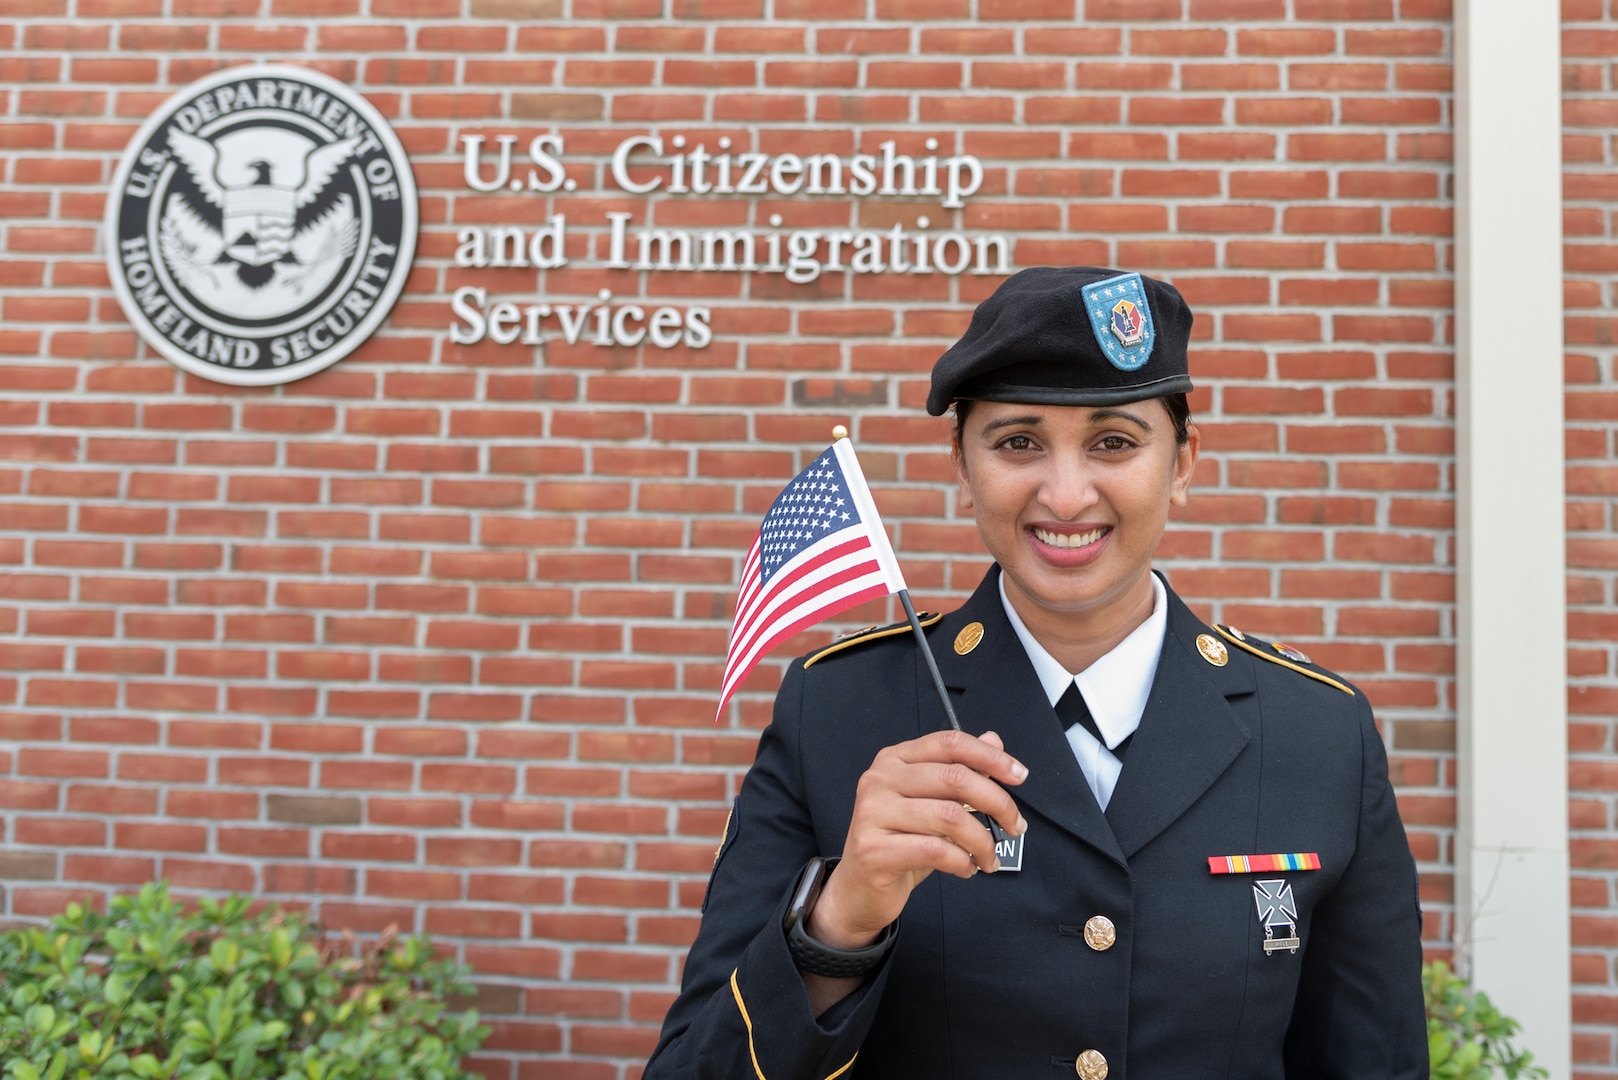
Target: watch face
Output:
{"points": [[804, 896]]}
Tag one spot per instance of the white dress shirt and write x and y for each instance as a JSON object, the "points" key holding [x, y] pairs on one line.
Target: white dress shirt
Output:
{"points": [[1115, 688]]}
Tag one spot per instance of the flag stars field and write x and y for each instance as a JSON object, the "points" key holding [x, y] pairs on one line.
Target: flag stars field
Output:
{"points": [[815, 501]]}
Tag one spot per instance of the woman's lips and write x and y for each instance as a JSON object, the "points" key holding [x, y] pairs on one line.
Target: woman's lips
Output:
{"points": [[1063, 547]]}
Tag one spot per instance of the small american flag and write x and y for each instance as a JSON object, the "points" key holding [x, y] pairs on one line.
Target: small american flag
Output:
{"points": [[821, 550]]}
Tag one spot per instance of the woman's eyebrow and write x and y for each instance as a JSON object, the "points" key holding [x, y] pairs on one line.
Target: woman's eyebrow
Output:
{"points": [[1120, 414], [1013, 421]]}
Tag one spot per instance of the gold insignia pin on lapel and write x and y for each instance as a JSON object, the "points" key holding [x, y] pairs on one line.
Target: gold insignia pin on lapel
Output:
{"points": [[1213, 650], [968, 638]]}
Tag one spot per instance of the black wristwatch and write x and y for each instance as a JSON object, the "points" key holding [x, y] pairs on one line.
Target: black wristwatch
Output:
{"points": [[815, 957]]}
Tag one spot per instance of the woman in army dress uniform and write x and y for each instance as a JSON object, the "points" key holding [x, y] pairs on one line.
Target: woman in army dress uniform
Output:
{"points": [[1201, 870]]}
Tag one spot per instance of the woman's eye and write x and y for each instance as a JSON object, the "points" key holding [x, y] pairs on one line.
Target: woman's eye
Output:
{"points": [[1018, 443], [1114, 444]]}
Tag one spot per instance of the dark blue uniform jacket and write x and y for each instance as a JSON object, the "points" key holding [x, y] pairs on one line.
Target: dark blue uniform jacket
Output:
{"points": [[991, 977]]}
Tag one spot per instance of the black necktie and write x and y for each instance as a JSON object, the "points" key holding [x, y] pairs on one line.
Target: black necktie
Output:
{"points": [[1071, 709]]}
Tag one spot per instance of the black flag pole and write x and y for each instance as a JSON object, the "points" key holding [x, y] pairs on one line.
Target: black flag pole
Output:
{"points": [[927, 654], [839, 433]]}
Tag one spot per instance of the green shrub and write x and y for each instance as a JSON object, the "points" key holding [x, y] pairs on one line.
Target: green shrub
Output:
{"points": [[1467, 1037], [151, 991]]}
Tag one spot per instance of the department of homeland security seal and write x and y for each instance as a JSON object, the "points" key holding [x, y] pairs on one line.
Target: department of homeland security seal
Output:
{"points": [[261, 225]]}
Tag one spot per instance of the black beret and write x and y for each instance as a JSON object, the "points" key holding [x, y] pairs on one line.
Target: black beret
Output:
{"points": [[1069, 335]]}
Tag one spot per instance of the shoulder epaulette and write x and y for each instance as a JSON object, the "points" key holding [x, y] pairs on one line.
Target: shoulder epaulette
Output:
{"points": [[1279, 653], [870, 633]]}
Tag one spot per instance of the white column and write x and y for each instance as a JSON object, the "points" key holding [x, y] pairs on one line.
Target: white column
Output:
{"points": [[1511, 854]]}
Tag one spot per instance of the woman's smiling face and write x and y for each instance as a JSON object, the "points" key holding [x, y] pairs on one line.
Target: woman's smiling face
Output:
{"points": [[1071, 500]]}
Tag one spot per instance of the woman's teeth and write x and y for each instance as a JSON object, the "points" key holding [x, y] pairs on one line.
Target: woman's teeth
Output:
{"points": [[1070, 540]]}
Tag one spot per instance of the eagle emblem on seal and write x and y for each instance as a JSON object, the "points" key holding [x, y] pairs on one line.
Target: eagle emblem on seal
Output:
{"points": [[260, 217]]}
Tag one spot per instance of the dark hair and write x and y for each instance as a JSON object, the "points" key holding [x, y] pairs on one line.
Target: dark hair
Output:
{"points": [[1178, 405]]}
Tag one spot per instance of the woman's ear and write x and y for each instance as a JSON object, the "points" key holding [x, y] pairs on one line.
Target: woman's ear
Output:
{"points": [[962, 480], [1185, 464]]}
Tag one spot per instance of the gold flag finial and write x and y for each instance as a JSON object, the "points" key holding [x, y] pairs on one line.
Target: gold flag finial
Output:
{"points": [[839, 432]]}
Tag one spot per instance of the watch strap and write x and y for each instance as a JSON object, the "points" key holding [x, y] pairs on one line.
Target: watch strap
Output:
{"points": [[816, 957]]}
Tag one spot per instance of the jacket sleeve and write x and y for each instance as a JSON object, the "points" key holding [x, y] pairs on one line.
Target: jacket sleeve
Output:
{"points": [[743, 1012], [1359, 1013]]}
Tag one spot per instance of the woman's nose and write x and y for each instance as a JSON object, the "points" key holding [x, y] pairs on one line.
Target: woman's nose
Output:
{"points": [[1068, 491]]}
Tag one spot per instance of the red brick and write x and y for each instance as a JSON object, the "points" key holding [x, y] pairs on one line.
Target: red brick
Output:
{"points": [[60, 833]]}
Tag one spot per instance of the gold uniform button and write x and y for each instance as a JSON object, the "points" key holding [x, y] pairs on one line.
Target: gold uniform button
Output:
{"points": [[968, 638], [1099, 933], [1091, 1065], [1213, 650]]}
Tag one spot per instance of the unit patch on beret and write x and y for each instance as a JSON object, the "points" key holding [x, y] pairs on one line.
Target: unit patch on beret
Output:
{"points": [[1121, 320], [870, 633]]}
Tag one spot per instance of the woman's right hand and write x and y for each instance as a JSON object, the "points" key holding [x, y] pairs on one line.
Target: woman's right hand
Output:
{"points": [[911, 818]]}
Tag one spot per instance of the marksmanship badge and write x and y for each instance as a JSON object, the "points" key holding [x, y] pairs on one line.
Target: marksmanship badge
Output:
{"points": [[1276, 908], [260, 225], [1121, 320]]}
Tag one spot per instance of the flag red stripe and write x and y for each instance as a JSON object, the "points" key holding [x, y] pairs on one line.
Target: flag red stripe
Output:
{"points": [[817, 614], [777, 606], [785, 597], [750, 576], [786, 584], [758, 599], [808, 619], [757, 626]]}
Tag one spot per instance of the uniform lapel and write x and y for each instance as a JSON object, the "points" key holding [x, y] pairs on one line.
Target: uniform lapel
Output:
{"points": [[994, 688], [1188, 735]]}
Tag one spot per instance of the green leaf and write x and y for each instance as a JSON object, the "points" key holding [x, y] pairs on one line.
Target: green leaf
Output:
{"points": [[292, 993], [225, 954], [41, 1018], [281, 948], [241, 1066]]}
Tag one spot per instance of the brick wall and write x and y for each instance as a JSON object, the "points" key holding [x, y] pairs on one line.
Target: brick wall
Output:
{"points": [[1590, 105], [432, 638]]}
